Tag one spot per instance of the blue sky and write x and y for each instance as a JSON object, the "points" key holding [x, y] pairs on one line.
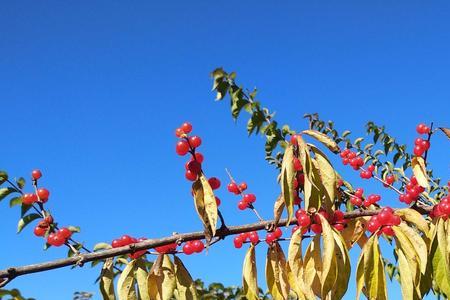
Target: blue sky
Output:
{"points": [[91, 94]]}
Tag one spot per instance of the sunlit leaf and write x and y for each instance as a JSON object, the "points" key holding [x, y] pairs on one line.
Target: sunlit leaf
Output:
{"points": [[26, 220], [185, 288], [324, 139], [419, 170], [205, 204], [287, 180], [107, 280], [141, 274], [249, 275], [125, 284], [276, 272], [161, 278]]}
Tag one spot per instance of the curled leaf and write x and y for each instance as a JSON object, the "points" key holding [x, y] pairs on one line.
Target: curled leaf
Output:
{"points": [[287, 180], [185, 289], [249, 275], [420, 171], [125, 284], [205, 204], [161, 279], [107, 280], [276, 272], [324, 139]]}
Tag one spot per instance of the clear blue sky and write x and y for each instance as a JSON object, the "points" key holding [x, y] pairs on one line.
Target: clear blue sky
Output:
{"points": [[91, 93]]}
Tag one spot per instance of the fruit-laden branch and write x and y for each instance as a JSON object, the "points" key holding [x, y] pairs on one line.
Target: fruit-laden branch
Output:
{"points": [[13, 272]]}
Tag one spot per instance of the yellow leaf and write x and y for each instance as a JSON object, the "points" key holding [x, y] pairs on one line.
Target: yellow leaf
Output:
{"points": [[446, 131], [406, 280], [161, 279], [360, 271], [353, 232], [324, 139], [413, 217], [327, 176], [278, 208], [440, 257], [419, 245], [141, 278], [329, 272], [125, 284], [374, 278], [343, 267], [276, 272], [205, 204], [313, 266], [402, 242], [249, 275], [420, 171], [185, 285], [107, 280], [287, 180]]}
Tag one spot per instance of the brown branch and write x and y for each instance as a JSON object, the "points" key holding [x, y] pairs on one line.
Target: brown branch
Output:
{"points": [[221, 233]]}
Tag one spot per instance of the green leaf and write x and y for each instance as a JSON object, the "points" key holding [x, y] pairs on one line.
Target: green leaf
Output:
{"points": [[4, 192], [102, 246], [26, 220], [20, 182], [3, 177], [440, 261], [15, 201]]}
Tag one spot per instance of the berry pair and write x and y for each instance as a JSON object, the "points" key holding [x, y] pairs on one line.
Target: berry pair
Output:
{"points": [[236, 189], [413, 191], [190, 247], [126, 240], [367, 174], [421, 145], [383, 222], [30, 198], [43, 226], [442, 209], [243, 237], [59, 237]]}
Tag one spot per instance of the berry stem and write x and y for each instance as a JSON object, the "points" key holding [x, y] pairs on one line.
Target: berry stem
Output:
{"points": [[428, 139]]}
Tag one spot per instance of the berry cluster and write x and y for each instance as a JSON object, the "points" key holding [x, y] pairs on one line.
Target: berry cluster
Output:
{"points": [[305, 222], [358, 200], [190, 247], [442, 209], [240, 239], [239, 189], [126, 240], [59, 237], [188, 144], [273, 236], [351, 158], [413, 191], [164, 249], [383, 222], [41, 195], [389, 180], [421, 145]]}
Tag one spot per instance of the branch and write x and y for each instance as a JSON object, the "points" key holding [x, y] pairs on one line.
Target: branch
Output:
{"points": [[11, 273]]}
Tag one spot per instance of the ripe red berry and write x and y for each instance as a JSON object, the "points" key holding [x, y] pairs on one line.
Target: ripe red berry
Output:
{"points": [[182, 147], [270, 238], [198, 246], [297, 164], [418, 141], [179, 132], [316, 228], [418, 150], [43, 194], [195, 141], [371, 168], [190, 175], [65, 233], [166, 248], [249, 198], [373, 226], [253, 237], [188, 248], [117, 243], [48, 219], [199, 157], [359, 192], [356, 201], [194, 166], [29, 199], [55, 239], [390, 179], [186, 127], [294, 139], [233, 188], [387, 230], [422, 129], [39, 231], [242, 205], [217, 201], [278, 233], [243, 186], [214, 183], [126, 240], [36, 174], [237, 242], [304, 220], [339, 226], [425, 144]]}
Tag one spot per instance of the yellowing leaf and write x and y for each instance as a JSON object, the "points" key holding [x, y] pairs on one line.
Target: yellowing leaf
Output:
{"points": [[324, 139], [446, 131], [374, 278], [418, 243], [327, 176], [125, 284], [343, 267], [141, 279], [249, 275], [107, 280], [412, 216], [420, 171], [185, 285], [440, 258], [353, 232], [278, 208], [406, 279], [205, 204], [329, 264], [161, 279], [276, 272], [313, 266], [287, 180]]}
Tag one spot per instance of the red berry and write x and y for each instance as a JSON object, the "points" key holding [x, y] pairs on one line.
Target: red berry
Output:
{"points": [[339, 226], [445, 208], [297, 164], [390, 179], [190, 175], [182, 147], [214, 183], [198, 246], [278, 233], [254, 238], [413, 180], [195, 141], [297, 200], [117, 243], [242, 205], [36, 174], [217, 201], [194, 166], [29, 199], [237, 242], [179, 132], [243, 186], [418, 150], [48, 219], [233, 188], [421, 128], [371, 168], [65, 233], [299, 212], [345, 161], [294, 139], [359, 192], [55, 239], [418, 141], [199, 157], [425, 144], [367, 203], [395, 220], [270, 238], [188, 248], [39, 231], [373, 226], [249, 198], [387, 230], [126, 240], [43, 194], [338, 216], [316, 228], [355, 201], [186, 127], [384, 217], [304, 220]]}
